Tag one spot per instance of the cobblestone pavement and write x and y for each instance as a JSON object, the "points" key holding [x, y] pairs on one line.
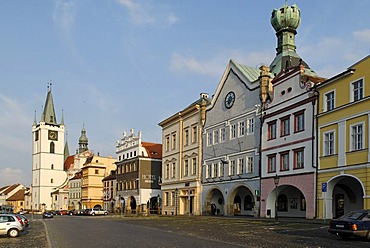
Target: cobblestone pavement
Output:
{"points": [[241, 232], [33, 237]]}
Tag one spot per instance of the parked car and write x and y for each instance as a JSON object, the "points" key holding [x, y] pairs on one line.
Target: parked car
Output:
{"points": [[63, 212], [11, 225], [97, 211], [355, 223], [47, 214], [24, 219]]}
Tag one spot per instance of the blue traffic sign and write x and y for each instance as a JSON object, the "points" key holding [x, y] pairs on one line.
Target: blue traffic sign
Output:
{"points": [[324, 187]]}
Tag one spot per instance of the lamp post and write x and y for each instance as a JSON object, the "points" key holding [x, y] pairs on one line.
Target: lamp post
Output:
{"points": [[176, 192], [276, 182], [90, 202], [158, 204]]}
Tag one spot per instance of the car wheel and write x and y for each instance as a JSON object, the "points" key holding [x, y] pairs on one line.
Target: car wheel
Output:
{"points": [[93, 214], [13, 233], [343, 236]]}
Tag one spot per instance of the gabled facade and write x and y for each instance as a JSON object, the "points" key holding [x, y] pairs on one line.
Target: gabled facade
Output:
{"points": [[47, 156], [138, 174], [95, 169], [230, 174], [110, 192], [181, 161], [343, 140], [288, 166], [74, 191]]}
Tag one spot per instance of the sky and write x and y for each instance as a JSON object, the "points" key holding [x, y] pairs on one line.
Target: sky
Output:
{"points": [[117, 65]]}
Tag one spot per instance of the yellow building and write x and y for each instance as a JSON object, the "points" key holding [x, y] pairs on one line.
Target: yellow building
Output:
{"points": [[343, 181], [94, 170]]}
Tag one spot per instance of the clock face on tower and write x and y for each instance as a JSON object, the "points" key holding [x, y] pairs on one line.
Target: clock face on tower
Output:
{"points": [[53, 135], [229, 99]]}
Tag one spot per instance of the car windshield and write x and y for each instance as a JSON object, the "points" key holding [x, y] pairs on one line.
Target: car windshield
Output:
{"points": [[354, 215]]}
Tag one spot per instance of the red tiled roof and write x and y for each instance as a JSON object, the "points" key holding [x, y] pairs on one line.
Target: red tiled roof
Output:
{"points": [[154, 150], [10, 188], [18, 196], [78, 175], [69, 162]]}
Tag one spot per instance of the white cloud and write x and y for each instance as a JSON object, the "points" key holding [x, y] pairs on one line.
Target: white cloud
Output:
{"points": [[64, 14], [9, 176], [362, 35], [141, 14], [216, 65]]}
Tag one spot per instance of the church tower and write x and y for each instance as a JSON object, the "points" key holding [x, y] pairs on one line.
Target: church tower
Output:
{"points": [[83, 141], [47, 156]]}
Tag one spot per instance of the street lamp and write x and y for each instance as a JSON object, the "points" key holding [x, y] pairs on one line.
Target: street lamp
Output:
{"points": [[276, 182], [158, 204], [176, 192]]}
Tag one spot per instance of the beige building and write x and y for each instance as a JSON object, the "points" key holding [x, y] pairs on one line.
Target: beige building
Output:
{"points": [[182, 158], [94, 170]]}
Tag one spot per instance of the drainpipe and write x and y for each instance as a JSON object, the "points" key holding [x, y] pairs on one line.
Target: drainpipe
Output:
{"points": [[315, 143]]}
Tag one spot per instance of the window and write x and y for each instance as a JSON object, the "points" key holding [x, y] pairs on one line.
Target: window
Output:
{"points": [[52, 180], [240, 165], [37, 135], [357, 137], [241, 128], [284, 161], [271, 130], [250, 164], [209, 172], [186, 167], [250, 126], [358, 89], [215, 136], [223, 134], [52, 147], [215, 170], [271, 163], [173, 199], [222, 168], [52, 166], [233, 131], [167, 143], [167, 199], [329, 101], [173, 169], [299, 121], [186, 138], [284, 126], [167, 171], [329, 143], [194, 134], [298, 158], [194, 166], [173, 141], [209, 139], [96, 171], [232, 168]]}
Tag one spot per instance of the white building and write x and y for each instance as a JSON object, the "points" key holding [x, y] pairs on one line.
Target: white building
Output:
{"points": [[47, 156]]}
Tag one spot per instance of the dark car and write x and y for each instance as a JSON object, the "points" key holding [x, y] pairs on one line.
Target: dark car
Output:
{"points": [[47, 215], [355, 223]]}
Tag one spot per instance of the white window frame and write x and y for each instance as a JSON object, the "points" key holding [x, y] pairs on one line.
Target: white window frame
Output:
{"points": [[250, 164], [222, 169], [216, 136], [240, 166], [328, 144], [232, 168], [250, 126], [241, 128], [357, 143], [233, 131], [328, 102], [222, 134], [215, 170], [352, 85], [209, 138]]}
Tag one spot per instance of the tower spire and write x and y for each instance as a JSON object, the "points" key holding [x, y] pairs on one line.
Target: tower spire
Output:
{"points": [[83, 141], [49, 115]]}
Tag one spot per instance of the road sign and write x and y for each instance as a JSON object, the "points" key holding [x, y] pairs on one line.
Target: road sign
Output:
{"points": [[324, 187]]}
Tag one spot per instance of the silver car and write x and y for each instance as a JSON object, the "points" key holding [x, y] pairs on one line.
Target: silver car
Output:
{"points": [[11, 225]]}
